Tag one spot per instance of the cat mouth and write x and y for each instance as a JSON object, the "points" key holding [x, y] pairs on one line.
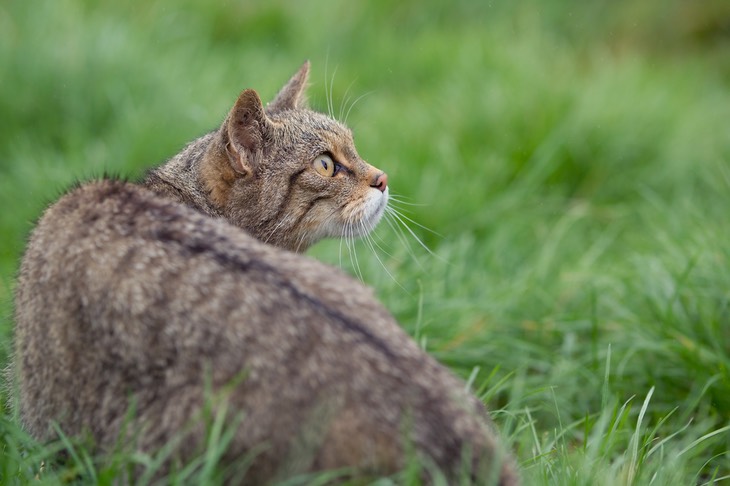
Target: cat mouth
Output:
{"points": [[372, 211]]}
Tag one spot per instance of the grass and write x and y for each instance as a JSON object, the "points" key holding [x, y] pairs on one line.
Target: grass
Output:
{"points": [[572, 160]]}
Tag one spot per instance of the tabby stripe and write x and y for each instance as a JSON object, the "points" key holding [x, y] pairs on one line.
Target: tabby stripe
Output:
{"points": [[309, 208], [202, 239], [290, 188], [206, 244]]}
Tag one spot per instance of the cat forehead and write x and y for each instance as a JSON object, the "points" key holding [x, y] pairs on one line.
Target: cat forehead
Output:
{"points": [[311, 121]]}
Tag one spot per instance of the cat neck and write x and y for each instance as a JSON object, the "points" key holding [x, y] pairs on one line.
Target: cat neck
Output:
{"points": [[201, 177], [180, 178]]}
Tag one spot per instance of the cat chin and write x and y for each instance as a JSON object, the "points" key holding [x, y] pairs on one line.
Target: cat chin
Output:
{"points": [[372, 211]]}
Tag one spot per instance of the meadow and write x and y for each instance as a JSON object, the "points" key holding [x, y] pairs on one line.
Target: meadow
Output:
{"points": [[566, 166]]}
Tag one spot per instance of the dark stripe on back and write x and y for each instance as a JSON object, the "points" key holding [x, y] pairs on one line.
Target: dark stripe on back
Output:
{"points": [[171, 217], [209, 246], [201, 240]]}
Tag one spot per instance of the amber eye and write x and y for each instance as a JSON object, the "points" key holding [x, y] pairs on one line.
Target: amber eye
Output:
{"points": [[325, 166]]}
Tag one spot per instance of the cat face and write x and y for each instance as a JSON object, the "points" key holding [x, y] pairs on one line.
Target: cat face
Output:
{"points": [[297, 177], [325, 188]]}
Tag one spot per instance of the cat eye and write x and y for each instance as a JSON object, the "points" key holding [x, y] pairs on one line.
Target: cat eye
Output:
{"points": [[325, 166]]}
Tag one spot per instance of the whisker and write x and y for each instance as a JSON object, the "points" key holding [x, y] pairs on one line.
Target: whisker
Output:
{"points": [[420, 242], [300, 241], [345, 99], [349, 244], [375, 233], [326, 78], [330, 101], [398, 231], [340, 250], [370, 242], [274, 230], [372, 235], [399, 213], [399, 196], [358, 270], [400, 234], [397, 200], [364, 95]]}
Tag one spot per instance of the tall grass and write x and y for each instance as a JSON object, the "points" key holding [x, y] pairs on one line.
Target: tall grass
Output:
{"points": [[572, 161]]}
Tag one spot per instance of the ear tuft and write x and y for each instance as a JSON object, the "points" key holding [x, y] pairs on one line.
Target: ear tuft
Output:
{"points": [[246, 130], [291, 95]]}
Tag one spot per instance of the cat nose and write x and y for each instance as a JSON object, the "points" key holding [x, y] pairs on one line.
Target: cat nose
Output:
{"points": [[380, 182]]}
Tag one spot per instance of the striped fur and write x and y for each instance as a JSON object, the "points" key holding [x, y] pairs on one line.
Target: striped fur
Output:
{"points": [[180, 295], [260, 177]]}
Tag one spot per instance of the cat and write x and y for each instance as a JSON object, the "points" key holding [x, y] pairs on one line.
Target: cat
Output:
{"points": [[137, 302]]}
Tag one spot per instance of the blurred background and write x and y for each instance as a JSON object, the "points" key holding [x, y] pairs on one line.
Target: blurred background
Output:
{"points": [[567, 164]]}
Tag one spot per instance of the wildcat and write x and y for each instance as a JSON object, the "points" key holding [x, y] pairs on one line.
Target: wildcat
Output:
{"points": [[152, 297]]}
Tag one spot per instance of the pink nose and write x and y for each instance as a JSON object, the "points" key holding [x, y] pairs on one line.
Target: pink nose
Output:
{"points": [[380, 182]]}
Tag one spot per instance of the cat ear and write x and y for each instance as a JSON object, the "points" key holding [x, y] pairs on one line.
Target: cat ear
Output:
{"points": [[245, 132], [291, 95]]}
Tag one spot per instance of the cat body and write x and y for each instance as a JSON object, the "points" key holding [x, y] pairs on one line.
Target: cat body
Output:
{"points": [[139, 307]]}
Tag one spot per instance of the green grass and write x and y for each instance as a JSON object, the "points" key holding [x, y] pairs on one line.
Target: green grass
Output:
{"points": [[573, 161]]}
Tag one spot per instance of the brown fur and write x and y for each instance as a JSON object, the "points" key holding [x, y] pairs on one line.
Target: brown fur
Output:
{"points": [[140, 295], [253, 172]]}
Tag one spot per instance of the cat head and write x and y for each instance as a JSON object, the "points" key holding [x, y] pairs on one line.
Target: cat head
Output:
{"points": [[291, 176]]}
